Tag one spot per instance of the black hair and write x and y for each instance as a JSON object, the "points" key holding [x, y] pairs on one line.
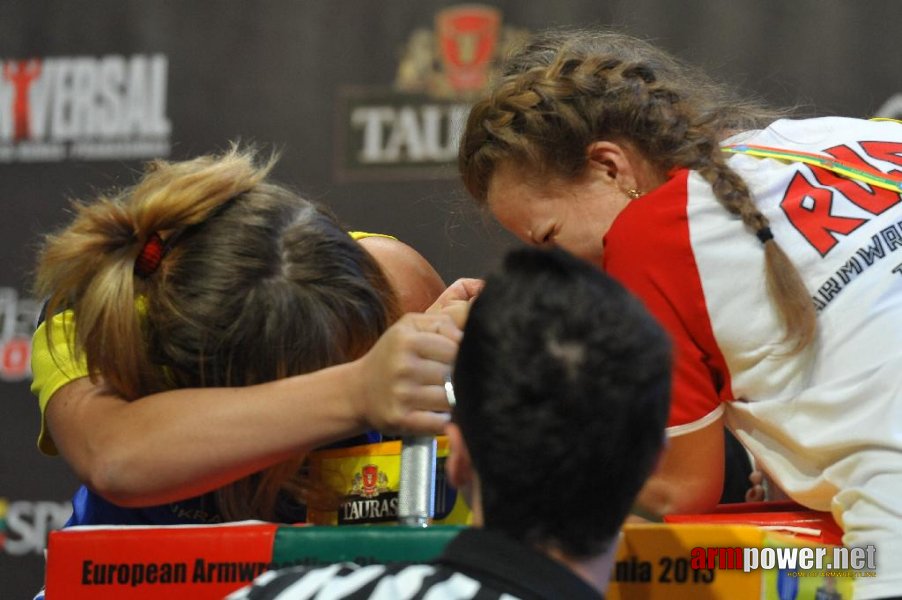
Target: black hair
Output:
{"points": [[563, 388]]}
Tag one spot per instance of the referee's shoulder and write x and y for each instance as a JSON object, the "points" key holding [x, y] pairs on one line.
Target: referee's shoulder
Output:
{"points": [[288, 582], [344, 580]]}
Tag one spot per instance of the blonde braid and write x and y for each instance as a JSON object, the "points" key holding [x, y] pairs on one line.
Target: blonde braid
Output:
{"points": [[784, 283]]}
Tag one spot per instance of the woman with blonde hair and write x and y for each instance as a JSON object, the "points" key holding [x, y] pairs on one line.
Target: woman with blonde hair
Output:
{"points": [[204, 330], [764, 245]]}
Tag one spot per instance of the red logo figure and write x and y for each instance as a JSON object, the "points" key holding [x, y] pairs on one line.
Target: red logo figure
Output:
{"points": [[370, 480], [467, 37], [22, 77]]}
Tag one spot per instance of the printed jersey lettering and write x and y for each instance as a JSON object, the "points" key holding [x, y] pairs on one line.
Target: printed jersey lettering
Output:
{"points": [[886, 151], [873, 199], [809, 207]]}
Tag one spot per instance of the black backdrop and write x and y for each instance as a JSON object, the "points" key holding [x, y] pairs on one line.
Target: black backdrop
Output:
{"points": [[363, 116]]}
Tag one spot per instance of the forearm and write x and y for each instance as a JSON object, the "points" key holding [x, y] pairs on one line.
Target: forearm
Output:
{"points": [[185, 442], [182, 443], [663, 496], [689, 476]]}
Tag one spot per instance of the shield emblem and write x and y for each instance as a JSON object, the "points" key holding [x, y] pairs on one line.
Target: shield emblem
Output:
{"points": [[467, 37], [370, 479]]}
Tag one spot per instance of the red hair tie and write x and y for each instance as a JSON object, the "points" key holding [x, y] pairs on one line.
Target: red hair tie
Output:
{"points": [[151, 255]]}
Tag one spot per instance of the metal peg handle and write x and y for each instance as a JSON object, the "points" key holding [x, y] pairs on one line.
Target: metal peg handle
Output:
{"points": [[416, 488]]}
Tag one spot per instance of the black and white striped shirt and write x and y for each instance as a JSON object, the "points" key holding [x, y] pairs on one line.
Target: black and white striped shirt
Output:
{"points": [[477, 565]]}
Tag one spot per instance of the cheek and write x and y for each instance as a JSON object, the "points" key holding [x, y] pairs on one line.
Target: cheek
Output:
{"points": [[590, 229], [583, 240]]}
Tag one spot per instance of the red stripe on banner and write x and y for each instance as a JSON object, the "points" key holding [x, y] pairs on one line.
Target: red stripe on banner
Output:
{"points": [[785, 517], [156, 562]]}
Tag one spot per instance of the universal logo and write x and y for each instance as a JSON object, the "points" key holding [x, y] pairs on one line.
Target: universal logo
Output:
{"points": [[83, 108], [412, 130]]}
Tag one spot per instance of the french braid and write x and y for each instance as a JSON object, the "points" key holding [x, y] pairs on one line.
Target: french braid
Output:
{"points": [[567, 90]]}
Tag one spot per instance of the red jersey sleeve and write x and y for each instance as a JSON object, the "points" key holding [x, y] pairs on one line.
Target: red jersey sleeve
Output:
{"points": [[648, 249]]}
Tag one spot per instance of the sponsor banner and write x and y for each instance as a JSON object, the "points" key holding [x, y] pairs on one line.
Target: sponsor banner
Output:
{"points": [[412, 129], [754, 551], [155, 562], [198, 562], [25, 524], [653, 562], [84, 108], [388, 136], [18, 317], [672, 562]]}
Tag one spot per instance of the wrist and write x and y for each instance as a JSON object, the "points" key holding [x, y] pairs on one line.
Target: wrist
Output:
{"points": [[355, 397]]}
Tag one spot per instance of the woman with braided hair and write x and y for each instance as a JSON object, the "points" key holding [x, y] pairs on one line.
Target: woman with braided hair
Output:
{"points": [[205, 329], [764, 244]]}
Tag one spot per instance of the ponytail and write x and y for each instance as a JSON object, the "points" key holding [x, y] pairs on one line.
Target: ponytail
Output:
{"points": [[89, 266]]}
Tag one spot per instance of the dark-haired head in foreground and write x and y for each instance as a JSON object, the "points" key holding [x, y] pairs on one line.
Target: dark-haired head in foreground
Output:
{"points": [[562, 383]]}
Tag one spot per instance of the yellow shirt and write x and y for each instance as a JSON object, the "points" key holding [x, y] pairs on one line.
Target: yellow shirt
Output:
{"points": [[53, 371]]}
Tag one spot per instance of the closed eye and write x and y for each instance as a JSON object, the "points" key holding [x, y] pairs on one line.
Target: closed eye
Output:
{"points": [[546, 239]]}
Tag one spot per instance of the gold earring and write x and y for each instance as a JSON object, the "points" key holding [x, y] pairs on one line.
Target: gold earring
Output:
{"points": [[633, 193]]}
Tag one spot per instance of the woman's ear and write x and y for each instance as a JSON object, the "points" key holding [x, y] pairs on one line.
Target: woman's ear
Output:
{"points": [[458, 465], [611, 161]]}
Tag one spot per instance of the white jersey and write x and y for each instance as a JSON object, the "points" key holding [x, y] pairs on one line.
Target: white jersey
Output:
{"points": [[826, 424]]}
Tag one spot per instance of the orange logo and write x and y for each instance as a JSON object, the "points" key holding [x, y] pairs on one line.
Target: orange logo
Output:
{"points": [[458, 58]]}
